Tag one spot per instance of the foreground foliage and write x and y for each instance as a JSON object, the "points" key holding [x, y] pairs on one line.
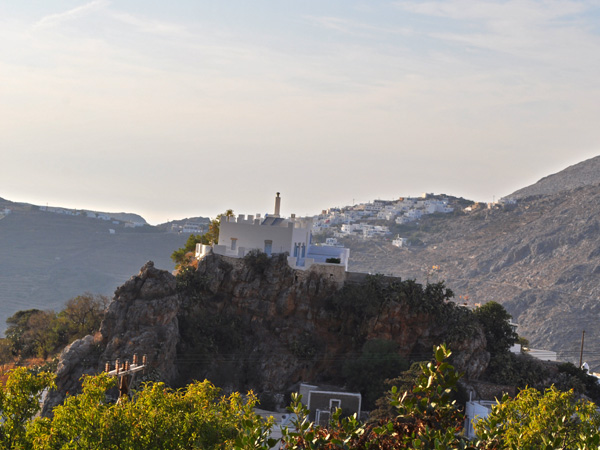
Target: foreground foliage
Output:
{"points": [[197, 417], [426, 418], [200, 417], [19, 402], [536, 420], [157, 417]]}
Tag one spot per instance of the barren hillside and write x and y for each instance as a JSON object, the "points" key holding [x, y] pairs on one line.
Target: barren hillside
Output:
{"points": [[540, 258]]}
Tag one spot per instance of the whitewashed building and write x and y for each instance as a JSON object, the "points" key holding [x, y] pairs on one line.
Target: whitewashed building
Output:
{"points": [[274, 235], [400, 242], [474, 412], [192, 228]]}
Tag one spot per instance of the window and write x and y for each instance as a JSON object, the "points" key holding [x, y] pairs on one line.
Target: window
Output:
{"points": [[233, 243], [334, 403], [268, 247]]}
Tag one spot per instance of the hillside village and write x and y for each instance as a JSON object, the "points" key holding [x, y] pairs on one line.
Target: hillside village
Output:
{"points": [[378, 218], [401, 211]]}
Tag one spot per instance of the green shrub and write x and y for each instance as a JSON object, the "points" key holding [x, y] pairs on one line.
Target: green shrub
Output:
{"points": [[368, 371], [257, 261]]}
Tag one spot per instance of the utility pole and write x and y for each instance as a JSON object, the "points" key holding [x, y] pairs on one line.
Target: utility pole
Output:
{"points": [[581, 352], [125, 372]]}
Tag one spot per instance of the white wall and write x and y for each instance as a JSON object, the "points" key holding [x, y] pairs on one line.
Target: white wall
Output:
{"points": [[474, 412], [251, 235]]}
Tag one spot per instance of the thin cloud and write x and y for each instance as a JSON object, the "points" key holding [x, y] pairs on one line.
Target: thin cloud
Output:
{"points": [[152, 26], [529, 11], [75, 13], [352, 27], [557, 34]]}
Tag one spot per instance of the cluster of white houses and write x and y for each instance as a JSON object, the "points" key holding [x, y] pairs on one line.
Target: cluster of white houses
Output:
{"points": [[273, 234], [364, 230], [351, 220]]}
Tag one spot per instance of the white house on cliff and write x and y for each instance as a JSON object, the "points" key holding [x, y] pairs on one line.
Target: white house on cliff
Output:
{"points": [[274, 235]]}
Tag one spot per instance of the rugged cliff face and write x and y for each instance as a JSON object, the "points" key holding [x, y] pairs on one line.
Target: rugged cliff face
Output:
{"points": [[255, 323], [277, 326], [141, 319]]}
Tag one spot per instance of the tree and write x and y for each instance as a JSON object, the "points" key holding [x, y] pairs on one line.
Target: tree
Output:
{"points": [[35, 333], [367, 373], [404, 383], [426, 418], [30, 333], [536, 420], [184, 255], [212, 235], [499, 333], [156, 417], [19, 402], [83, 315]]}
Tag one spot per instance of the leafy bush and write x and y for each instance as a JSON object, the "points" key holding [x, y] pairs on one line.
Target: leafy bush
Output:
{"points": [[425, 418], [580, 381], [499, 334], [403, 383], [368, 371], [535, 420], [19, 403], [516, 370], [35, 333], [157, 417], [257, 261]]}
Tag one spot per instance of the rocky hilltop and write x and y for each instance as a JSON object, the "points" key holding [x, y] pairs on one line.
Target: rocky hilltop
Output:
{"points": [[540, 258], [255, 323], [585, 173]]}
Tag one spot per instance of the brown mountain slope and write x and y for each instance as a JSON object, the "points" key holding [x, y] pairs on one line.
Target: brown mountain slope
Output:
{"points": [[585, 173], [540, 258]]}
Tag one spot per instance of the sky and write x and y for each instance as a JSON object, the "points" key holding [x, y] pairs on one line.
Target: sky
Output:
{"points": [[190, 107]]}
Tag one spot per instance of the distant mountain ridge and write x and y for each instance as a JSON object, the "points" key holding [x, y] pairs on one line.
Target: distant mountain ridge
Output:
{"points": [[47, 258], [578, 175], [121, 216]]}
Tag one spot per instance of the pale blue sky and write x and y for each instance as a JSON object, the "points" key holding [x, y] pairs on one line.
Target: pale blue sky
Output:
{"points": [[184, 108]]}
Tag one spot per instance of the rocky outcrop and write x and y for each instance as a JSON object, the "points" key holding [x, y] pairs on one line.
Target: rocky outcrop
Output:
{"points": [[78, 359], [295, 326], [258, 324], [141, 319]]}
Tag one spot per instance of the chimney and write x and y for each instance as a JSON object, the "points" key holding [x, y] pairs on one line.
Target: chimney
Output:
{"points": [[277, 205]]}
